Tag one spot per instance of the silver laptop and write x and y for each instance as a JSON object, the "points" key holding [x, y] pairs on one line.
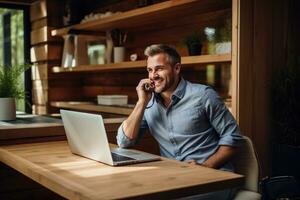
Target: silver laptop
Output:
{"points": [[87, 137]]}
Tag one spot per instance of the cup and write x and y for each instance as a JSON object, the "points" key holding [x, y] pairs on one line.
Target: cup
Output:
{"points": [[119, 54]]}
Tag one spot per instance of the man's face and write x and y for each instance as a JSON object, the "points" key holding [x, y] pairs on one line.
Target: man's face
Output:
{"points": [[161, 73]]}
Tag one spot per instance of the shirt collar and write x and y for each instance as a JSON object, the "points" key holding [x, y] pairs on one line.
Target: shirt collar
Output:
{"points": [[180, 90]]}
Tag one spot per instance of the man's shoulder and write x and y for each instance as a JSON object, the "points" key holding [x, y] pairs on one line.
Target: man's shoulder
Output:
{"points": [[202, 91], [197, 87]]}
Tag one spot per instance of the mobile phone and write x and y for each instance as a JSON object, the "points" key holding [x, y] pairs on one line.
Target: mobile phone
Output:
{"points": [[148, 87]]}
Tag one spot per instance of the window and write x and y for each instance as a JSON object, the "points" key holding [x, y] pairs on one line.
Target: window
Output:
{"points": [[14, 45]]}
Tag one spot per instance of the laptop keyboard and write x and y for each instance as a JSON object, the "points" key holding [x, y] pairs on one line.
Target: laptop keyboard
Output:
{"points": [[117, 157]]}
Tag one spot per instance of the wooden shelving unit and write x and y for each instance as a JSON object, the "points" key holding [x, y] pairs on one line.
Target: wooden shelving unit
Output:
{"points": [[159, 14], [186, 61], [91, 107], [141, 16]]}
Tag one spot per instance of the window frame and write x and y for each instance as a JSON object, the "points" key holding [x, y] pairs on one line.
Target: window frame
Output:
{"points": [[27, 29]]}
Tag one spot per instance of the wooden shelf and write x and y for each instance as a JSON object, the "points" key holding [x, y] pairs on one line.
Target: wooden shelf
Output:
{"points": [[186, 61], [142, 16], [89, 106]]}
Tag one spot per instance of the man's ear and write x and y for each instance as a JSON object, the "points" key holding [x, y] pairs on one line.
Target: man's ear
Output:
{"points": [[177, 68]]}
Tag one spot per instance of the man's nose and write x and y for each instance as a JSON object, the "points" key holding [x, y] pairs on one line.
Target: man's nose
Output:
{"points": [[153, 75]]}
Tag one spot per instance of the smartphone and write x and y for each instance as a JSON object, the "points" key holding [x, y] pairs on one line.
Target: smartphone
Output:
{"points": [[148, 87]]}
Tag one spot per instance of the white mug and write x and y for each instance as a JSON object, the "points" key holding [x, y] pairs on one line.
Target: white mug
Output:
{"points": [[119, 54]]}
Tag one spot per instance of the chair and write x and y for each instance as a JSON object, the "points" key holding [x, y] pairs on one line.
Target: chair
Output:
{"points": [[246, 163]]}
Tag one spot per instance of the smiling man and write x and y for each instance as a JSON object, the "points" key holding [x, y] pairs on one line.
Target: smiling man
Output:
{"points": [[189, 121]]}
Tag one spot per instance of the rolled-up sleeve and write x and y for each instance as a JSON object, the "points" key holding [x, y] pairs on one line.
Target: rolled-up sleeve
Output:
{"points": [[222, 120], [124, 142]]}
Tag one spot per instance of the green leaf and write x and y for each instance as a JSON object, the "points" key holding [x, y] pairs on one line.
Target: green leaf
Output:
{"points": [[10, 85]]}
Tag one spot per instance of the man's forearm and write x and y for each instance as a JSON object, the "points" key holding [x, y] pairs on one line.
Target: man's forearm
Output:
{"points": [[131, 125], [222, 155]]}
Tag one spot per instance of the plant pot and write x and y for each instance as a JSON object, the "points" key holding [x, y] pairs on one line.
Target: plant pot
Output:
{"points": [[194, 49], [7, 109]]}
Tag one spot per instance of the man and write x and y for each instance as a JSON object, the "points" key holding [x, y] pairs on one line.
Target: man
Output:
{"points": [[189, 121]]}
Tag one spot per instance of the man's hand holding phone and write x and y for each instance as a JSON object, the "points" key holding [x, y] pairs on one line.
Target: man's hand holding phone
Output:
{"points": [[149, 87], [144, 90]]}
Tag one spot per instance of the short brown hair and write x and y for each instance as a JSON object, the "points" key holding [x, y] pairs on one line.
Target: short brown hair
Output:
{"points": [[172, 54]]}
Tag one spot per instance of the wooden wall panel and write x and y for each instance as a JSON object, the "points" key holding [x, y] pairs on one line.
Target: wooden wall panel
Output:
{"points": [[39, 109], [39, 23], [38, 10], [46, 21], [43, 35], [91, 92], [114, 78], [45, 52], [40, 84], [255, 62], [39, 71], [261, 80], [234, 84], [65, 82], [39, 96], [44, 110], [65, 94], [45, 8], [42, 70]]}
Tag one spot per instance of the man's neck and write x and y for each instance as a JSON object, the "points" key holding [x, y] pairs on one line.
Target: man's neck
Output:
{"points": [[166, 95]]}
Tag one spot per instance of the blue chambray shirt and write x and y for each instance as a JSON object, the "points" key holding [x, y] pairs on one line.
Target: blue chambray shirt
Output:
{"points": [[191, 128]]}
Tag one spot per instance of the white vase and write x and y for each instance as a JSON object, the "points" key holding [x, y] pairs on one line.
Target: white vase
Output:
{"points": [[119, 54], [223, 47], [7, 109]]}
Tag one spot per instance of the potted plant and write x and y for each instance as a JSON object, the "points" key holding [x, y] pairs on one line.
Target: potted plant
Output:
{"points": [[222, 37], [10, 90], [194, 43], [285, 120]]}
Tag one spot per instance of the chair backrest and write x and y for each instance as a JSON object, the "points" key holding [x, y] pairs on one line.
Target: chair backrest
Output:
{"points": [[245, 163]]}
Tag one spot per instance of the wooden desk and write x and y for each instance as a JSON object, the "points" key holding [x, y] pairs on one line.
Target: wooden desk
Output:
{"points": [[53, 165]]}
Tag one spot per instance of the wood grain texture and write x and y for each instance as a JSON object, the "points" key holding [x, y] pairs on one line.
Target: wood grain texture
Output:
{"points": [[235, 59], [45, 52], [38, 10], [186, 61], [39, 109], [55, 167], [39, 71], [92, 107], [143, 16], [42, 35]]}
